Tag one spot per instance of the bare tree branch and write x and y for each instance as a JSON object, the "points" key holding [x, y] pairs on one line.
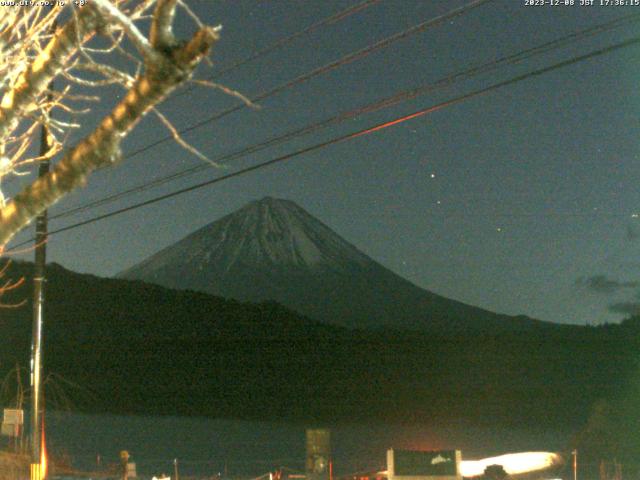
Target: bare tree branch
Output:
{"points": [[167, 64], [36, 77], [182, 142], [162, 26], [113, 15]]}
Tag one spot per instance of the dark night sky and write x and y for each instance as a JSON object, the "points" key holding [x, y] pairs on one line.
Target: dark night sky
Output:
{"points": [[522, 200]]}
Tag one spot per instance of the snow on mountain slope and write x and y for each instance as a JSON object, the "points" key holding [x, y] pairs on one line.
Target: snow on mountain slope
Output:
{"points": [[266, 233], [272, 249]]}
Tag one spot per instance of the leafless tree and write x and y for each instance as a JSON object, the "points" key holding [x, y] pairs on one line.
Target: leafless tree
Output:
{"points": [[76, 46]]}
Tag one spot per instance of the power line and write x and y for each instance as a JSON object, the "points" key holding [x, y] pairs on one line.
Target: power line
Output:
{"points": [[517, 57], [356, 134], [375, 106], [286, 40], [274, 46], [349, 58]]}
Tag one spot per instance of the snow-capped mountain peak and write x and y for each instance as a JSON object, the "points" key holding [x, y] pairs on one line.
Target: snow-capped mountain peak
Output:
{"points": [[269, 232], [272, 249]]}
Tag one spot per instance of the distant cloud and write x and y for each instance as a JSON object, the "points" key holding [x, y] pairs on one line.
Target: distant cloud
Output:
{"points": [[603, 284], [626, 308]]}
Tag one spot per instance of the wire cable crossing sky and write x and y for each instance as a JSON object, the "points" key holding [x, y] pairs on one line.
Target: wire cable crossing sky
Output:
{"points": [[349, 136], [384, 103], [518, 195]]}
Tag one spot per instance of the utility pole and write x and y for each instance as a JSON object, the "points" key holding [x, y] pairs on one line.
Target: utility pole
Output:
{"points": [[575, 464], [175, 469], [39, 279]]}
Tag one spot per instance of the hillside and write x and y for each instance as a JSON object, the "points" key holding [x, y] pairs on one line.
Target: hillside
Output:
{"points": [[142, 348]]}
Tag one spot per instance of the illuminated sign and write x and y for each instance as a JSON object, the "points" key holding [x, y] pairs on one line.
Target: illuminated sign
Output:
{"points": [[414, 464]]}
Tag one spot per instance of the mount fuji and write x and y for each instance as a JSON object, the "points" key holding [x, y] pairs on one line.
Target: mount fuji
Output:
{"points": [[273, 250]]}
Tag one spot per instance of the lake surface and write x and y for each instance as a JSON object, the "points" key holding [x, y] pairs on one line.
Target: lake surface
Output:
{"points": [[206, 447]]}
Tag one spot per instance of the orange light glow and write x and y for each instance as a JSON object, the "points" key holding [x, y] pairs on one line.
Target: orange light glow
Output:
{"points": [[43, 458], [411, 116]]}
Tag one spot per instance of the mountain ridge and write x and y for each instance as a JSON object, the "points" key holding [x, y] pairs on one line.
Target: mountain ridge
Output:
{"points": [[138, 348], [272, 249]]}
